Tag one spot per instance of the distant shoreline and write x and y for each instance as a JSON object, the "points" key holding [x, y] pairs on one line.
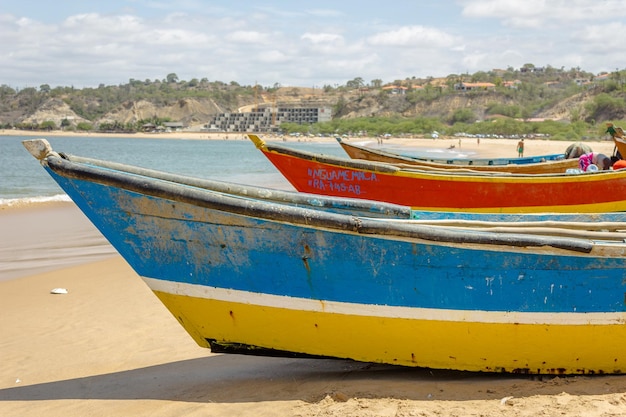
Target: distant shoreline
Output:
{"points": [[143, 135], [486, 148]]}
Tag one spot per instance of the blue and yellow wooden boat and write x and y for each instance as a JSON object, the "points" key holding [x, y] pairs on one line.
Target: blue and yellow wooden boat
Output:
{"points": [[259, 271]]}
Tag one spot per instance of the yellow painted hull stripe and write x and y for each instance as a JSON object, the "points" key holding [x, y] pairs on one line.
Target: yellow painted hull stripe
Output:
{"points": [[427, 343], [382, 311]]}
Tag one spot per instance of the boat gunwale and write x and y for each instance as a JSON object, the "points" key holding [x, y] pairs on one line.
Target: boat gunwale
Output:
{"points": [[256, 192], [282, 212]]}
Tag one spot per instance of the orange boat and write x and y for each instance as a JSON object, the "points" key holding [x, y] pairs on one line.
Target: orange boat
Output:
{"points": [[550, 165], [489, 192]]}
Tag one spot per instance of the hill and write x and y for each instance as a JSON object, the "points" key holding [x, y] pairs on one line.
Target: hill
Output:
{"points": [[553, 94]]}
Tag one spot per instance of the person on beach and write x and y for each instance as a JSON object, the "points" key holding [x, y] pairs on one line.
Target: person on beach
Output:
{"points": [[600, 160], [617, 163], [520, 148]]}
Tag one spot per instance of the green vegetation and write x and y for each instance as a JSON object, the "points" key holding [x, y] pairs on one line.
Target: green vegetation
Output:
{"points": [[84, 127], [376, 126], [504, 127], [605, 106]]}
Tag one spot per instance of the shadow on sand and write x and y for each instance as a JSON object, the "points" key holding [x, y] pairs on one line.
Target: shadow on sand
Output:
{"points": [[239, 379]]}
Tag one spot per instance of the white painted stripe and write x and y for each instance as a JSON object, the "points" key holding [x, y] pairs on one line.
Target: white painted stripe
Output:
{"points": [[368, 310]]}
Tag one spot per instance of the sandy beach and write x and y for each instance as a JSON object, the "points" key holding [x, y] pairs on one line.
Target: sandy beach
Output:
{"points": [[485, 147], [109, 348]]}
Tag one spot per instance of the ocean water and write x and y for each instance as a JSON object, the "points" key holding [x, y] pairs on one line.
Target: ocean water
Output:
{"points": [[22, 179]]}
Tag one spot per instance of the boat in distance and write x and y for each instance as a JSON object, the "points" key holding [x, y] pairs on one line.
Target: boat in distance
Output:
{"points": [[489, 192], [265, 271], [530, 165]]}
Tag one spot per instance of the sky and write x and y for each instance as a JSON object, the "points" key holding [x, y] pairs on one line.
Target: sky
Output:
{"points": [[306, 44]]}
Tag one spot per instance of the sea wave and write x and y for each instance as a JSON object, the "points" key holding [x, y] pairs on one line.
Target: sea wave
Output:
{"points": [[26, 201]]}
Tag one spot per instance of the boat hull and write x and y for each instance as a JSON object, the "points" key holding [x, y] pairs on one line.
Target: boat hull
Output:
{"points": [[444, 344], [243, 271], [254, 282], [427, 190]]}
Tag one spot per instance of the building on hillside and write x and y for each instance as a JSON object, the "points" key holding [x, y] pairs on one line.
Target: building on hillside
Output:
{"points": [[462, 86], [174, 126], [605, 76], [267, 119], [395, 89], [512, 84]]}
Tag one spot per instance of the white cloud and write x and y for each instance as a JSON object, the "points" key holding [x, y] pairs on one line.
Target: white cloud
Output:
{"points": [[536, 13], [324, 13], [325, 44], [504, 8], [103, 23], [417, 36], [273, 56], [249, 36], [475, 61], [176, 37], [601, 39], [511, 57], [322, 38]]}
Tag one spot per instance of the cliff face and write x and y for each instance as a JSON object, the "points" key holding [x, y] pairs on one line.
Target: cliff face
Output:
{"points": [[440, 107], [188, 111], [53, 110], [444, 106]]}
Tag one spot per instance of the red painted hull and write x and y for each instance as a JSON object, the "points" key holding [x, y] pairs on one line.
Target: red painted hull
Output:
{"points": [[597, 192]]}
